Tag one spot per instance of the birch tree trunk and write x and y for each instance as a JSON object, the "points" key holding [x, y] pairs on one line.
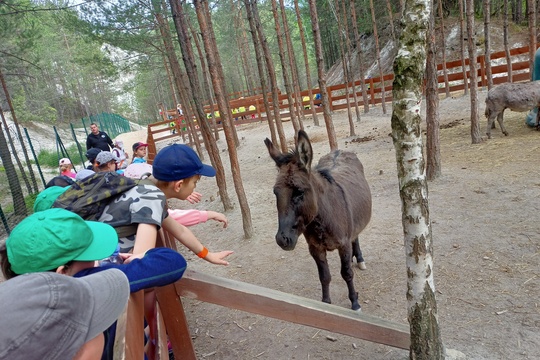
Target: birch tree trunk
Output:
{"points": [[332, 140], [218, 82], [409, 66], [341, 19], [473, 73], [306, 63]]}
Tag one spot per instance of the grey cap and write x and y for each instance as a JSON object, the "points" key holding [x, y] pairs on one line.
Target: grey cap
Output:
{"points": [[50, 316], [104, 157]]}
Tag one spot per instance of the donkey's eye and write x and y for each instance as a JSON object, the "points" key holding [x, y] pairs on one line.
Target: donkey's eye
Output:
{"points": [[297, 195]]}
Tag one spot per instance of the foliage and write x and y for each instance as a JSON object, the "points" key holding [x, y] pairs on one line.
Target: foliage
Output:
{"points": [[50, 158]]}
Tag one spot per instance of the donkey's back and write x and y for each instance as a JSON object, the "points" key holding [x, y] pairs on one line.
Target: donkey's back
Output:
{"points": [[347, 171]]}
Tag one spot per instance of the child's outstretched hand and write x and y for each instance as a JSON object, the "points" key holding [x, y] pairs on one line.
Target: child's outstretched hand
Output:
{"points": [[218, 258], [218, 217], [194, 197]]}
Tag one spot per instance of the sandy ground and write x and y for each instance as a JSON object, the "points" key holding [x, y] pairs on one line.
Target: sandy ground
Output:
{"points": [[486, 243]]}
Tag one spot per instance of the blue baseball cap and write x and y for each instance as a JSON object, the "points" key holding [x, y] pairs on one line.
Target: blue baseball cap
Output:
{"points": [[177, 162]]}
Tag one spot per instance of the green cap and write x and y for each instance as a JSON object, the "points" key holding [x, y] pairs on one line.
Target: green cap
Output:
{"points": [[46, 198], [51, 238]]}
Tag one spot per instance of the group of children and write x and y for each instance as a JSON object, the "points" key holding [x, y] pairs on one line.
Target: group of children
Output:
{"points": [[57, 240]]}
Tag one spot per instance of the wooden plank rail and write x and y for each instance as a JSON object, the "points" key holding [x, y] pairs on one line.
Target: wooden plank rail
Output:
{"points": [[276, 304]]}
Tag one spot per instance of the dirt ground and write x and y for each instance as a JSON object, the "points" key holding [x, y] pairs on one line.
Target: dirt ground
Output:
{"points": [[486, 242]]}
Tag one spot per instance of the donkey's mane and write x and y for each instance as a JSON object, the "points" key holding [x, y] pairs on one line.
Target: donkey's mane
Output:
{"points": [[325, 173]]}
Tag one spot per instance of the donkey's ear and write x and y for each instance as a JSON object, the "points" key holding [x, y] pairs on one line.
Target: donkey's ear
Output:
{"points": [[275, 154], [304, 150]]}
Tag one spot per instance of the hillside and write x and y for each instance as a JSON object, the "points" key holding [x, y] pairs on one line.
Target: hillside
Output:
{"points": [[517, 38]]}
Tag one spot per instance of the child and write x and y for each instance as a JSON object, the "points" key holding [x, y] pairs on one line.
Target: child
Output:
{"points": [[121, 154], [66, 168], [91, 156], [61, 241], [176, 171], [105, 161], [185, 217], [139, 152], [50, 316]]}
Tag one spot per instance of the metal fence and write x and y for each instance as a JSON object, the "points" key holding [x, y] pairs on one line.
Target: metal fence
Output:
{"points": [[24, 173]]}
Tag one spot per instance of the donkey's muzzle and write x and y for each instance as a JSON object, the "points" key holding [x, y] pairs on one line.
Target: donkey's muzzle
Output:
{"points": [[286, 242]]}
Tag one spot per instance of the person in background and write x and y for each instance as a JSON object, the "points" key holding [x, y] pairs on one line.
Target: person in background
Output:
{"points": [[66, 169], [120, 153], [105, 161], [139, 152], [98, 139], [83, 174], [51, 316], [91, 156]]}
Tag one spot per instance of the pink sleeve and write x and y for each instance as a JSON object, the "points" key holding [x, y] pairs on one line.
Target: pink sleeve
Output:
{"points": [[188, 217]]}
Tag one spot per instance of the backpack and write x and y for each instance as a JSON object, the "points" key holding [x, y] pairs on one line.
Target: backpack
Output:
{"points": [[88, 198]]}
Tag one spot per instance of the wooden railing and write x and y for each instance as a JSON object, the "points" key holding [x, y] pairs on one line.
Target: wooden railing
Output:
{"points": [[172, 322], [338, 97]]}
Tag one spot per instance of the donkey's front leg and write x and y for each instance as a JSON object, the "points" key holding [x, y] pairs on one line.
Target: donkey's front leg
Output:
{"points": [[324, 273], [347, 273]]}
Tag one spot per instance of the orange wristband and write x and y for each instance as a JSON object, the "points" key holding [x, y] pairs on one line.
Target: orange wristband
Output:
{"points": [[203, 253]]}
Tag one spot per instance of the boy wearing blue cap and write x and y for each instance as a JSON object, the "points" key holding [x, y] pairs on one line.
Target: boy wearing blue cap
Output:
{"points": [[176, 170]]}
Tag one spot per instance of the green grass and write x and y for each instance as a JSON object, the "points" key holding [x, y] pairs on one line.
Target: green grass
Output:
{"points": [[28, 201], [50, 158]]}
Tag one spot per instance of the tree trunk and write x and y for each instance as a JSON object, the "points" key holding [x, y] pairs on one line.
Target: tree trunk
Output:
{"points": [[181, 85], [322, 76], [378, 52], [433, 149], [306, 63], [360, 56], [19, 206], [505, 41], [487, 43], [462, 44], [350, 73], [189, 63], [206, 81], [341, 19], [443, 52], [271, 75], [473, 73], [531, 16], [260, 67], [391, 19], [21, 141], [283, 60], [218, 82], [294, 68], [409, 67]]}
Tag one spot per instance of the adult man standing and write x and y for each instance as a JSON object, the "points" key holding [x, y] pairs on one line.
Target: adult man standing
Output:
{"points": [[98, 139]]}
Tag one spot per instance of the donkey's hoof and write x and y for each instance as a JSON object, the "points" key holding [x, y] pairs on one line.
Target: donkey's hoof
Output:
{"points": [[505, 133], [362, 265], [356, 307]]}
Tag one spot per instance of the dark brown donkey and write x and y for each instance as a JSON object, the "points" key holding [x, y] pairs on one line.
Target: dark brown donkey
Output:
{"points": [[330, 205]]}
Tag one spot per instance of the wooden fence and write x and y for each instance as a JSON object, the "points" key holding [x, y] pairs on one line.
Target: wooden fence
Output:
{"points": [[339, 97]]}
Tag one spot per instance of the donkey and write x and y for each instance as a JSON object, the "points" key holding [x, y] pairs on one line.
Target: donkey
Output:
{"points": [[330, 205], [514, 96]]}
